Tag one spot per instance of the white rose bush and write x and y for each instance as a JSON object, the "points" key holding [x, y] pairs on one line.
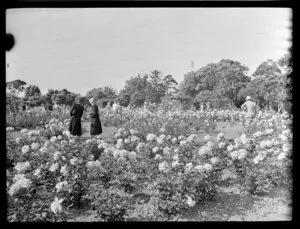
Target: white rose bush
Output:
{"points": [[157, 167]]}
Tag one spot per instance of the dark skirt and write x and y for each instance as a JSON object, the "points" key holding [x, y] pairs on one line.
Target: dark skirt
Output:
{"points": [[75, 126], [96, 127]]}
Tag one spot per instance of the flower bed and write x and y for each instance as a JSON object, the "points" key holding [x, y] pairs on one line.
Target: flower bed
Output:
{"points": [[156, 169]]}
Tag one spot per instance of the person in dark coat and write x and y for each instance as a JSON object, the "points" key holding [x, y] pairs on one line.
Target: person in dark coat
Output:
{"points": [[95, 128], [76, 113]]}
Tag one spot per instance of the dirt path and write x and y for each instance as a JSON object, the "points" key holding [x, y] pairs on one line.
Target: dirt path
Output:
{"points": [[230, 206]]}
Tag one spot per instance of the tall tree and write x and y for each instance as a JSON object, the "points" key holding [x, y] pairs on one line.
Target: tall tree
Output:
{"points": [[32, 90], [170, 84], [268, 69], [232, 77], [15, 87]]}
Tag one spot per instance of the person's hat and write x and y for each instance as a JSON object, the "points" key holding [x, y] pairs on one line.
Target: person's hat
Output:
{"points": [[92, 100], [248, 97]]}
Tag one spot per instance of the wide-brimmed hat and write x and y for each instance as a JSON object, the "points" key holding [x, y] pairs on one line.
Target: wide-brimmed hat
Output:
{"points": [[248, 97], [92, 100]]}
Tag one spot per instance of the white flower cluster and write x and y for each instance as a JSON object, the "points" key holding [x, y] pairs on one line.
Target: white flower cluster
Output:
{"points": [[188, 166], [20, 183], [220, 136], [203, 168], [35, 146], [63, 170], [190, 202], [56, 206], [151, 137], [25, 149], [54, 167], [22, 166], [266, 143], [140, 146], [62, 186], [258, 158], [191, 138], [257, 134], [164, 166], [9, 128], [93, 164], [207, 137], [238, 154], [205, 150], [23, 131], [160, 139]]}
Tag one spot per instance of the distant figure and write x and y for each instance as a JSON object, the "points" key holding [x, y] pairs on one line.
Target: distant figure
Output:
{"points": [[76, 113], [108, 108], [116, 107], [95, 127], [251, 110], [202, 107], [208, 106], [50, 108], [24, 108]]}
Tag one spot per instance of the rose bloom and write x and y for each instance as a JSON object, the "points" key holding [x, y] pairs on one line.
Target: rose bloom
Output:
{"points": [[257, 159], [23, 131], [18, 140], [18, 185], [54, 167], [135, 139], [73, 161], [174, 140], [126, 141], [181, 137], [182, 143], [176, 157], [62, 186], [25, 149], [56, 206], [286, 148], [207, 166], [120, 141], [132, 155], [157, 157], [242, 153], [281, 156], [22, 166], [35, 146], [166, 150], [214, 160], [37, 172], [155, 149], [221, 144], [43, 149], [117, 135], [160, 140], [53, 139], [190, 202], [164, 167], [207, 138], [151, 137], [189, 166], [234, 154]]}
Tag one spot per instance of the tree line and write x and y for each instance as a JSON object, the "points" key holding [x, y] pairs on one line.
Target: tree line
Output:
{"points": [[269, 85]]}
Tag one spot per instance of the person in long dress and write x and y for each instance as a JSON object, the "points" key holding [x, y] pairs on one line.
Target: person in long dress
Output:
{"points": [[76, 113], [95, 127], [251, 110]]}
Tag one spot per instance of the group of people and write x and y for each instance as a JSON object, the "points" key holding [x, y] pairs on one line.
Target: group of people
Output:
{"points": [[76, 113], [96, 128]]}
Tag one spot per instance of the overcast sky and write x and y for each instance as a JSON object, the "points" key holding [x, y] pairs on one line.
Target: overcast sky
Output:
{"points": [[82, 49]]}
